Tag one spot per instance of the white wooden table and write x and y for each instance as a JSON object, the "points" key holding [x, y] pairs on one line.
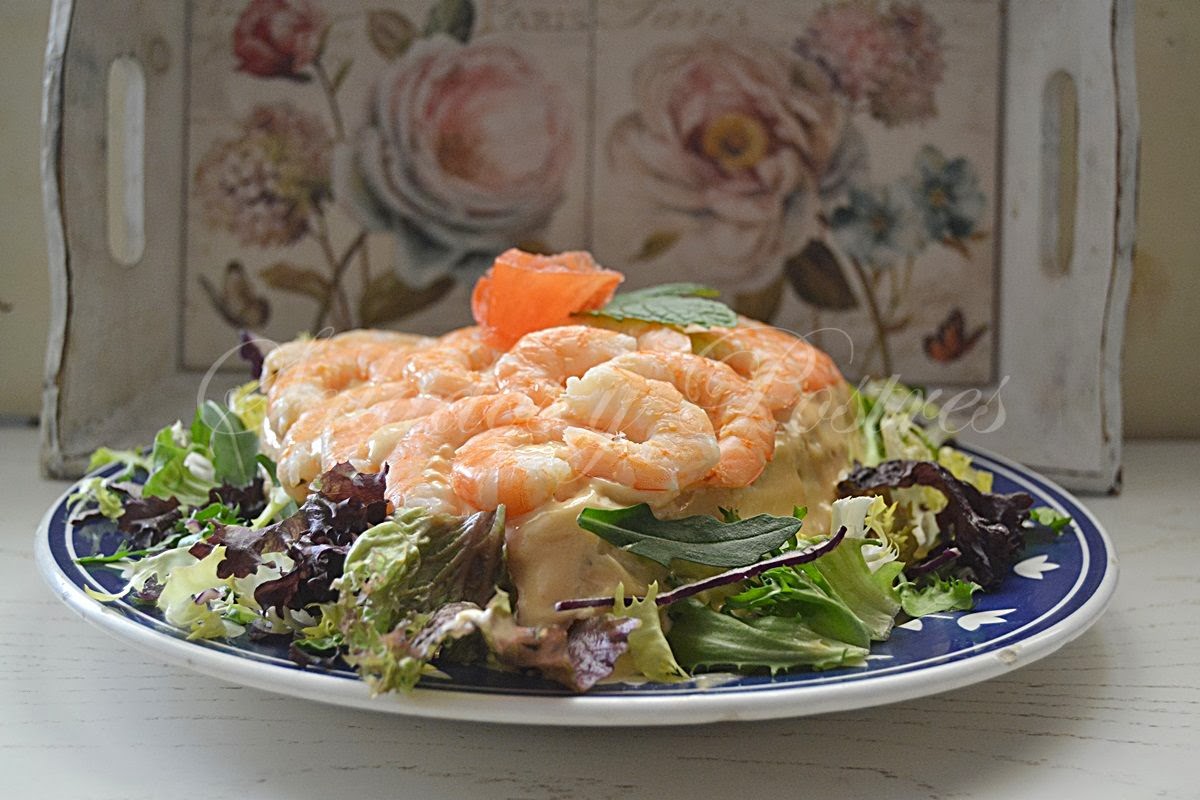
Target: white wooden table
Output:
{"points": [[1116, 714]]}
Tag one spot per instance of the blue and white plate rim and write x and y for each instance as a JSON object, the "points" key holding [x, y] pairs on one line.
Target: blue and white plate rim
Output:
{"points": [[660, 705]]}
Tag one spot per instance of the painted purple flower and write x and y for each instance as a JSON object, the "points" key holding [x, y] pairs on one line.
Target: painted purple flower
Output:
{"points": [[892, 61], [906, 91], [854, 44], [263, 185]]}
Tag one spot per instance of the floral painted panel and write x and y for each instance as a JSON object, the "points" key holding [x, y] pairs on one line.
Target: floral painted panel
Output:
{"points": [[829, 166]]}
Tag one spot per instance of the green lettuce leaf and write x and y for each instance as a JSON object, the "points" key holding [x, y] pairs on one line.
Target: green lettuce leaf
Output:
{"points": [[959, 464], [1052, 519], [699, 539], [174, 475], [701, 637], [133, 460], [940, 595], [872, 598], [897, 422], [249, 404], [231, 448], [647, 644], [791, 592], [396, 577], [108, 502]]}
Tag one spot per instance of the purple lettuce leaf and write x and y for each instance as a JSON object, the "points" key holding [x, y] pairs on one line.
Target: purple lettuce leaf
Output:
{"points": [[148, 520], [316, 538], [577, 655], [315, 568], [985, 527], [250, 499]]}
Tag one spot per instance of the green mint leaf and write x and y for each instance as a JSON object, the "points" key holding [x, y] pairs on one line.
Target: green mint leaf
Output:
{"points": [[678, 304], [700, 539]]}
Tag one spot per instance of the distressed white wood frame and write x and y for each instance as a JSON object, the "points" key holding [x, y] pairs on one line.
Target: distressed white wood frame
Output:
{"points": [[113, 367], [1060, 333]]}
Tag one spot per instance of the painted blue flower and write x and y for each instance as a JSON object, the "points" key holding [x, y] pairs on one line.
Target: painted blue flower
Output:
{"points": [[880, 227], [948, 195]]}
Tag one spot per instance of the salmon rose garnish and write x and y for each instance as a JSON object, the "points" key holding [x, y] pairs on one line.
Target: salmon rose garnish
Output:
{"points": [[524, 292]]}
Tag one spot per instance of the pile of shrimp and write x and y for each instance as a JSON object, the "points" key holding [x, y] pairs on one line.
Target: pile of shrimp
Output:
{"points": [[462, 425]]}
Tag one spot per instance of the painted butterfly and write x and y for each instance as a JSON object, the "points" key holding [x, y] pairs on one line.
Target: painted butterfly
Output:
{"points": [[236, 299], [950, 341]]}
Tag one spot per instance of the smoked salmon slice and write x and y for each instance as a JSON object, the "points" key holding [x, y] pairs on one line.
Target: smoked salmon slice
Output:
{"points": [[525, 292]]}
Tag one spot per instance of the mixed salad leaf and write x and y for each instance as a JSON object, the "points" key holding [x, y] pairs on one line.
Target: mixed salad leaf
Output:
{"points": [[211, 541], [985, 528]]}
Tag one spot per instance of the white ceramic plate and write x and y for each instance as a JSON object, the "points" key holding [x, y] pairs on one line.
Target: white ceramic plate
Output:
{"points": [[1058, 589]]}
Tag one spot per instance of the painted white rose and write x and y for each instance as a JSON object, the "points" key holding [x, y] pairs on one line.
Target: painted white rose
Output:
{"points": [[732, 140], [465, 152]]}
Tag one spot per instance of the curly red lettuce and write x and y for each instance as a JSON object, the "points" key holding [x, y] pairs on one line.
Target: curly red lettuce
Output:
{"points": [[986, 528], [316, 538]]}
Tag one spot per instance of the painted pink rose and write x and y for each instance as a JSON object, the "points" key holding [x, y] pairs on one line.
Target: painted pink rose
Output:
{"points": [[278, 38], [731, 139], [891, 60], [465, 153]]}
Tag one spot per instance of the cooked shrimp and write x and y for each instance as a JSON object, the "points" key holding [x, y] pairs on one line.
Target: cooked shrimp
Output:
{"points": [[419, 466], [781, 366], [661, 339], [745, 428], [357, 346], [347, 438], [521, 466], [650, 335], [455, 365], [638, 432], [540, 363], [338, 429], [303, 374]]}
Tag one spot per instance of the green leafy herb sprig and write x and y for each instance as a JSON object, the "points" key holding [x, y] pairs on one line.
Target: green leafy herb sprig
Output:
{"points": [[676, 304]]}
